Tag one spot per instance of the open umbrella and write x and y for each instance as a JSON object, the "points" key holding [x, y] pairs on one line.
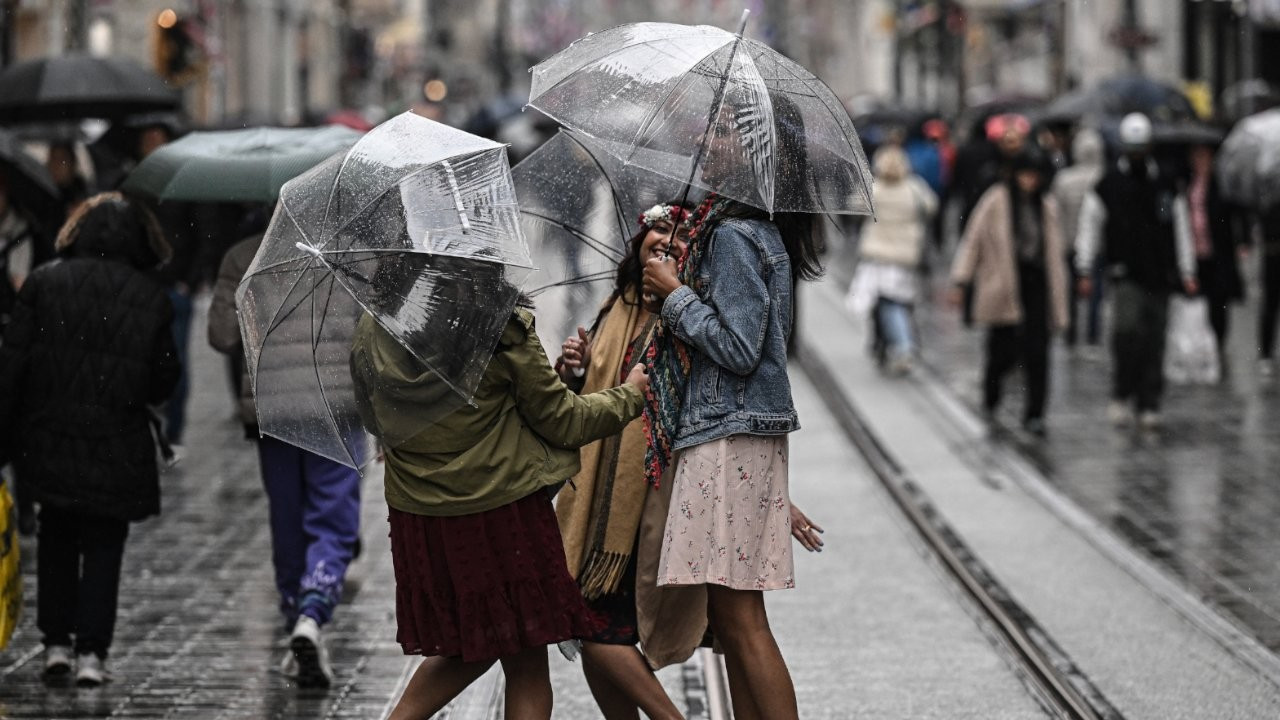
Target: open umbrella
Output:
{"points": [[418, 226], [578, 208], [80, 86], [235, 165], [1117, 96], [28, 182], [1246, 160], [713, 109]]}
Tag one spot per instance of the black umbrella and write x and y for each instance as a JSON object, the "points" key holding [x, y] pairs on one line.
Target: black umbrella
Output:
{"points": [[81, 86], [1118, 96], [29, 185]]}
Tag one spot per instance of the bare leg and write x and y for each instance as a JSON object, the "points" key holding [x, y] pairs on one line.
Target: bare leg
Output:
{"points": [[763, 688], [436, 681], [612, 701], [528, 685], [623, 682]]}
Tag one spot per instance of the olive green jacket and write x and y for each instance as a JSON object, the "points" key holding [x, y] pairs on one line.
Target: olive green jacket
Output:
{"points": [[522, 434]]}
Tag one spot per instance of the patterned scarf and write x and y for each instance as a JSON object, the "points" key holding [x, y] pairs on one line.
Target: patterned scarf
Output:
{"points": [[668, 357]]}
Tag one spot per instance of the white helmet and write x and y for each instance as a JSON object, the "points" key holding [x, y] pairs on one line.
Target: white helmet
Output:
{"points": [[1135, 130]]}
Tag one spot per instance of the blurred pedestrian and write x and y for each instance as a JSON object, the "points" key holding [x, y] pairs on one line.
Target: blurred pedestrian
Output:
{"points": [[1070, 185], [1217, 236], [64, 168], [313, 503], [1012, 252], [886, 281], [1132, 213], [479, 563], [182, 280], [89, 349], [1269, 313]]}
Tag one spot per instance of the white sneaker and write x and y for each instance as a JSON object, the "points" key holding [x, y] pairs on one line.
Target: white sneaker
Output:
{"points": [[309, 651], [91, 671], [1119, 413], [289, 665], [57, 660], [1149, 420]]}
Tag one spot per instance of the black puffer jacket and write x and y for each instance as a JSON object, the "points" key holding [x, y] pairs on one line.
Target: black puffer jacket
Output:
{"points": [[89, 347]]}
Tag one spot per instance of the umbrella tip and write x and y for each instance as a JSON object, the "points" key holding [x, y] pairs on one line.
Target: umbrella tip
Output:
{"points": [[742, 24], [314, 252]]}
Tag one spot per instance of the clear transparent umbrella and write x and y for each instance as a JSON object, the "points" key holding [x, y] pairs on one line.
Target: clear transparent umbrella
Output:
{"points": [[713, 109], [1248, 164], [417, 225], [578, 208]]}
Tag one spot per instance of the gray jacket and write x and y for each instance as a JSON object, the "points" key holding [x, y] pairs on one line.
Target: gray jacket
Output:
{"points": [[1071, 184], [736, 319]]}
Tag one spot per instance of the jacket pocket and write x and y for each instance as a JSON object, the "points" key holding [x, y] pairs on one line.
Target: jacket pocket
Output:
{"points": [[709, 384]]}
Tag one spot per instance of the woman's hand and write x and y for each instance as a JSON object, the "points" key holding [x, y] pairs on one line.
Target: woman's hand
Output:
{"points": [[575, 356], [639, 376], [805, 531], [660, 276]]}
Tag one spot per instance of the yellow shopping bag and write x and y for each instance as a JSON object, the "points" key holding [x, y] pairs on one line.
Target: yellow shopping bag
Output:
{"points": [[10, 573]]}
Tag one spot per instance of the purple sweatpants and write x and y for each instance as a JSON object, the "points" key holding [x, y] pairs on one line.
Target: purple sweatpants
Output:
{"points": [[315, 523]]}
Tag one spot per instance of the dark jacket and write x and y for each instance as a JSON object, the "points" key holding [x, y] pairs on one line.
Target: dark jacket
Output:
{"points": [[89, 347], [1141, 242]]}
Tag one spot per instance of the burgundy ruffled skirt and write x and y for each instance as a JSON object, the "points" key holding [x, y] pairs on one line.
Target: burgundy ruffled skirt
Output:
{"points": [[486, 585]]}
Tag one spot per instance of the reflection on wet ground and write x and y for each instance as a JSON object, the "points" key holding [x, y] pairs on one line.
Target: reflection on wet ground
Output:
{"points": [[1200, 495]]}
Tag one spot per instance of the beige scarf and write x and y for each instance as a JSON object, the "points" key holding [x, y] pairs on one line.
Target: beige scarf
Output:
{"points": [[599, 511]]}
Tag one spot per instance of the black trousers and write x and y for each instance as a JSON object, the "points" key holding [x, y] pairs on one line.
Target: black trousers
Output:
{"points": [[1024, 346], [78, 578], [1270, 302], [1140, 318]]}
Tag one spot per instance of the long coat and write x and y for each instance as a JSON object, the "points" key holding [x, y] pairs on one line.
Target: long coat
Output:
{"points": [[90, 346], [986, 258]]}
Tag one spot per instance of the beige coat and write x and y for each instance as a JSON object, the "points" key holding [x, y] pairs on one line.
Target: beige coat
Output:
{"points": [[986, 259]]}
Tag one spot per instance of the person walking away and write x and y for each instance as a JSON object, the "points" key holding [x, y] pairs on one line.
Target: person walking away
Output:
{"points": [[886, 280], [1069, 188], [313, 503], [1012, 253], [182, 280], [479, 563], [1216, 236], [89, 348], [1133, 213], [1269, 313]]}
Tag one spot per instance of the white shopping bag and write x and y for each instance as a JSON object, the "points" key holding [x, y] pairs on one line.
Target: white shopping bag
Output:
{"points": [[1191, 352]]}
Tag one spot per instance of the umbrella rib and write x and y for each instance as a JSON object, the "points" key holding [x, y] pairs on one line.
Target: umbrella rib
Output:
{"points": [[597, 59], [580, 280], [272, 324], [617, 205], [587, 240], [716, 103], [653, 113], [315, 364]]}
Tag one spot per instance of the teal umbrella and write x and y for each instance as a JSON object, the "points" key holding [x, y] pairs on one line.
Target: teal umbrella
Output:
{"points": [[248, 165]]}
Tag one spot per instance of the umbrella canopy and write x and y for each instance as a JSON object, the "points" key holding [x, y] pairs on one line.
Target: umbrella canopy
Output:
{"points": [[578, 208], [711, 108], [1248, 166], [417, 225], [1118, 96], [235, 165], [29, 183], [79, 86]]}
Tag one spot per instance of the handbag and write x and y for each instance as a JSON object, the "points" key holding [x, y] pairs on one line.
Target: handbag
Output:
{"points": [[1191, 350], [10, 570]]}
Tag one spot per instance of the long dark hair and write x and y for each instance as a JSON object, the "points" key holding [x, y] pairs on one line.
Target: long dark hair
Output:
{"points": [[1032, 162], [799, 232], [630, 277]]}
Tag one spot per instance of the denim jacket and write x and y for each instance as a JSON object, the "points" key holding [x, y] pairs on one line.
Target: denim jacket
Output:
{"points": [[736, 320]]}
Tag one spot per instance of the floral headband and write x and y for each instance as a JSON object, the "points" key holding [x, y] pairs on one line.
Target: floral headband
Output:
{"points": [[673, 214]]}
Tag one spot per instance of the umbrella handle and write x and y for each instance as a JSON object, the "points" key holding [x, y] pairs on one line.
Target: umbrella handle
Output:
{"points": [[457, 196]]}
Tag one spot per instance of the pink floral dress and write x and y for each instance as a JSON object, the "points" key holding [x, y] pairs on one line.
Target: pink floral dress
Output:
{"points": [[730, 517]]}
